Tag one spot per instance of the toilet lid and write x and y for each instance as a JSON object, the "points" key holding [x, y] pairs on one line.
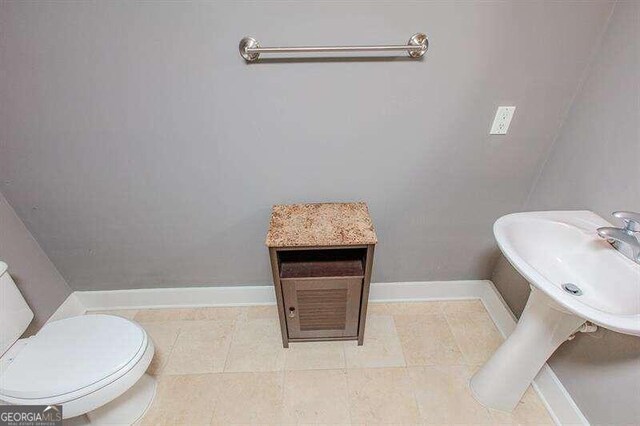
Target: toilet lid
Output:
{"points": [[70, 354]]}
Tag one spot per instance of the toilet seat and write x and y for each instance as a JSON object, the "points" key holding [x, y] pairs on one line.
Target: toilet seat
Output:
{"points": [[72, 358]]}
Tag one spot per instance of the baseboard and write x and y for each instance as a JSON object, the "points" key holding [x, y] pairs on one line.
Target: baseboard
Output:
{"points": [[185, 297], [264, 295], [71, 307], [553, 394], [557, 399], [427, 290]]}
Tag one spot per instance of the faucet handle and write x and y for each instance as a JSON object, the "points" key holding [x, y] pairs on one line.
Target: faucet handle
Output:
{"points": [[631, 220]]}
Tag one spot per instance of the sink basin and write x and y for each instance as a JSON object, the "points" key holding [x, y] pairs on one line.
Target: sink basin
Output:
{"points": [[554, 250], [550, 249]]}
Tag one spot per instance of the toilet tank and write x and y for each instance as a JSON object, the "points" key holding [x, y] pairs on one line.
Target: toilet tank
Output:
{"points": [[15, 314]]}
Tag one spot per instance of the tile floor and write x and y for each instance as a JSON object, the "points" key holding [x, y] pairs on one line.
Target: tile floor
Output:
{"points": [[225, 366]]}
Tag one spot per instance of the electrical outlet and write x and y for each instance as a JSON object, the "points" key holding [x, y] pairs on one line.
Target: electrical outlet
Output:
{"points": [[504, 114]]}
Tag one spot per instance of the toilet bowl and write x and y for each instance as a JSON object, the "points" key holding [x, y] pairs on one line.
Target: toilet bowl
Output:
{"points": [[93, 364]]}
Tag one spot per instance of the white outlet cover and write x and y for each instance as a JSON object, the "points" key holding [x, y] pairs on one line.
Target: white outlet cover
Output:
{"points": [[501, 122]]}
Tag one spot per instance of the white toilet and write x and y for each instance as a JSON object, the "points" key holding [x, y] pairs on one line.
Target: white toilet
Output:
{"points": [[92, 364]]}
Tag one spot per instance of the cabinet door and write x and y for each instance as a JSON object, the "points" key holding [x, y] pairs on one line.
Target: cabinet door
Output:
{"points": [[322, 307]]}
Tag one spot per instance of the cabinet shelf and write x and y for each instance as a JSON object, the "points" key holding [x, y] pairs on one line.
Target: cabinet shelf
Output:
{"points": [[322, 269]]}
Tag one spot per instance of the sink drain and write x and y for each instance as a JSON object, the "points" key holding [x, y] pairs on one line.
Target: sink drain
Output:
{"points": [[572, 289]]}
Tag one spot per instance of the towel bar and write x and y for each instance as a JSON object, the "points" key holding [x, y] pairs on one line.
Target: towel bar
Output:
{"points": [[250, 49]]}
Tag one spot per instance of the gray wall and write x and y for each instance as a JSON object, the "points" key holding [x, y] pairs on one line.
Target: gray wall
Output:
{"points": [[36, 277], [595, 165], [141, 151]]}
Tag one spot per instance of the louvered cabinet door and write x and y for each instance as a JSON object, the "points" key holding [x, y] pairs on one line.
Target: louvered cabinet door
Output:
{"points": [[322, 307]]}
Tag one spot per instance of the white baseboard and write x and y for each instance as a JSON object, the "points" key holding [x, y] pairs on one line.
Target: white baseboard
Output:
{"points": [[185, 297], [553, 394], [557, 399], [426, 290], [71, 307], [191, 297]]}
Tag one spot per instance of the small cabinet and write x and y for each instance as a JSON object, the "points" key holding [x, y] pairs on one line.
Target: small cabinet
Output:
{"points": [[321, 259]]}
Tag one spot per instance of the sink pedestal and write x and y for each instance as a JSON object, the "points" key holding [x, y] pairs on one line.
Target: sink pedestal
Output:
{"points": [[542, 328]]}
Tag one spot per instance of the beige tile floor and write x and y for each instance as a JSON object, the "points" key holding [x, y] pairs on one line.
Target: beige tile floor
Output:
{"points": [[227, 366]]}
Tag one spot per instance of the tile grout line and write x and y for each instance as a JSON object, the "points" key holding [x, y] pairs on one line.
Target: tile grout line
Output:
{"points": [[455, 338], [217, 401], [395, 329], [232, 339], [421, 416], [284, 410], [346, 373], [173, 346]]}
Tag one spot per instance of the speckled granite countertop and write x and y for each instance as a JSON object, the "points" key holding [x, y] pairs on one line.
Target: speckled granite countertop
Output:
{"points": [[322, 224]]}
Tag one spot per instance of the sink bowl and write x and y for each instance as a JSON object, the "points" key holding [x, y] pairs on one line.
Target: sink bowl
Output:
{"points": [[575, 276], [550, 249]]}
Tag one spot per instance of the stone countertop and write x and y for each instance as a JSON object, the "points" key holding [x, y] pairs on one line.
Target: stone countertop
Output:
{"points": [[321, 224]]}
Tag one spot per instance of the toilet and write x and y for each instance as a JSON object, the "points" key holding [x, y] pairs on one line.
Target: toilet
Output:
{"points": [[92, 364]]}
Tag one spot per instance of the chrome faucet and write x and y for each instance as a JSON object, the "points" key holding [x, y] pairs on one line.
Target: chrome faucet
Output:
{"points": [[624, 239]]}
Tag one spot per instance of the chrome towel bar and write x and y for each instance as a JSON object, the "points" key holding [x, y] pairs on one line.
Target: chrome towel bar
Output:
{"points": [[250, 49]]}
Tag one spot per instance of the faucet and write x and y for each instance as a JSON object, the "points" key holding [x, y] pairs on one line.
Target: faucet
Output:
{"points": [[624, 239]]}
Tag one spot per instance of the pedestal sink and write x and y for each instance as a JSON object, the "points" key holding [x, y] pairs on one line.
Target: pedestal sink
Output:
{"points": [[575, 277]]}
